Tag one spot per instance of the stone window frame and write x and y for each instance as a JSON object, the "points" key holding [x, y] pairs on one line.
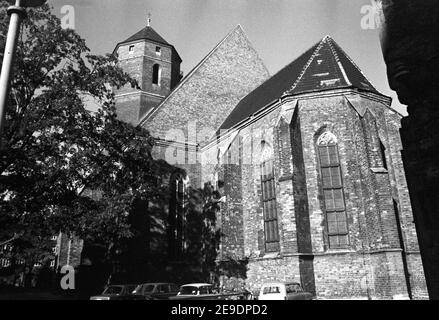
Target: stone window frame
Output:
{"points": [[233, 154], [337, 215], [158, 50], [156, 74], [269, 201], [177, 218], [384, 163]]}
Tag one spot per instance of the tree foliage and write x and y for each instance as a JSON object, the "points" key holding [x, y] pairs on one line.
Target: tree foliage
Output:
{"points": [[203, 234], [150, 257], [54, 149]]}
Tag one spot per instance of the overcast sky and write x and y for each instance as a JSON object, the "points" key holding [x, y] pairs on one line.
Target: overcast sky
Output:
{"points": [[280, 30]]}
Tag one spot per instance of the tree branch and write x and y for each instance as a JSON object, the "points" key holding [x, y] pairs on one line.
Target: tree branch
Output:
{"points": [[15, 237]]}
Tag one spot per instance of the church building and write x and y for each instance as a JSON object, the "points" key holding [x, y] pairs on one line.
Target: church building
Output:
{"points": [[308, 162]]}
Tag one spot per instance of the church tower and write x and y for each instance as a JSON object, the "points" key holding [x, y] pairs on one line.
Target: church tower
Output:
{"points": [[155, 64]]}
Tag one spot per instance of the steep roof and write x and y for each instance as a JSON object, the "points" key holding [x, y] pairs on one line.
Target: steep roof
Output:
{"points": [[213, 88], [325, 66], [147, 33]]}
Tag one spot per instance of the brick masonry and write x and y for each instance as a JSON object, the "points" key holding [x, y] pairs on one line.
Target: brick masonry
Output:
{"points": [[137, 59], [382, 259], [69, 250], [202, 101]]}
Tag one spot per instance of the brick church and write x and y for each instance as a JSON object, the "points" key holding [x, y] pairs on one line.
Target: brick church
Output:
{"points": [[308, 162]]}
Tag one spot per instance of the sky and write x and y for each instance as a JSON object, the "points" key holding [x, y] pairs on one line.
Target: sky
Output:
{"points": [[280, 30]]}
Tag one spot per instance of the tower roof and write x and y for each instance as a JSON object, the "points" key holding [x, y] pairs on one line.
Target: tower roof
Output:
{"points": [[147, 33], [325, 66]]}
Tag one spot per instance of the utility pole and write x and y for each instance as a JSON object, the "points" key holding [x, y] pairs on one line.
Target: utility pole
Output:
{"points": [[17, 13]]}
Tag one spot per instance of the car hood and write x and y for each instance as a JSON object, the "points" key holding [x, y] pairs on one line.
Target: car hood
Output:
{"points": [[105, 296]]}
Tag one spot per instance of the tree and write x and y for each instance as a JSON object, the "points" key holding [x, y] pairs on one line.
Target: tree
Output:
{"points": [[54, 149], [203, 234], [196, 261]]}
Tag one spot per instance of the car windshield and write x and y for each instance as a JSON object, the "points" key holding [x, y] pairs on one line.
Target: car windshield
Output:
{"points": [[113, 290], [293, 288], [147, 288], [206, 290], [129, 289], [189, 290], [271, 289]]}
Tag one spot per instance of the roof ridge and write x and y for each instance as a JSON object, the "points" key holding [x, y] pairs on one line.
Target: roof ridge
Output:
{"points": [[353, 63], [153, 32], [322, 67], [306, 66], [337, 59], [147, 33], [240, 27], [188, 76]]}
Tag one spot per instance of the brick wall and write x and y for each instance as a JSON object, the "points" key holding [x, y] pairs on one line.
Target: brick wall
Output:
{"points": [[206, 97], [382, 259], [69, 250], [232, 219], [262, 270], [138, 59], [377, 263]]}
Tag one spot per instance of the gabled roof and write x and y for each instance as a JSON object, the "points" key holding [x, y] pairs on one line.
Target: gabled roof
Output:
{"points": [[213, 88], [325, 66]]}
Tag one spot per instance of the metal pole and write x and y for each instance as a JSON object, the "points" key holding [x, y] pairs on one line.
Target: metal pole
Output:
{"points": [[17, 13]]}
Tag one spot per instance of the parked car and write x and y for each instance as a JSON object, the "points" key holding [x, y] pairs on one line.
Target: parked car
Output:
{"points": [[283, 291], [157, 290], [116, 292], [197, 291]]}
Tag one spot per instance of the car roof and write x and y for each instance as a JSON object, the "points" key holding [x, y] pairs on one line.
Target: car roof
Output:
{"points": [[154, 283], [279, 283], [197, 284]]}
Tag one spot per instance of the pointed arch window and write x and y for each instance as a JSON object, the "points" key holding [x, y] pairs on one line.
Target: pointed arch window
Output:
{"points": [[332, 185], [271, 229], [383, 155], [176, 219], [156, 74]]}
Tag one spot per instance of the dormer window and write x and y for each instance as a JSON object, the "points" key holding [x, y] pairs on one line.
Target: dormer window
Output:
{"points": [[131, 48]]}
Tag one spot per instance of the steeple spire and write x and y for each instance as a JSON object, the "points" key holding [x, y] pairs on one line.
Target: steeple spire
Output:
{"points": [[148, 21]]}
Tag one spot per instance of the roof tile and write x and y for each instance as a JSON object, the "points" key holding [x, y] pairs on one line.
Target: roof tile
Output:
{"points": [[146, 33], [324, 66]]}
